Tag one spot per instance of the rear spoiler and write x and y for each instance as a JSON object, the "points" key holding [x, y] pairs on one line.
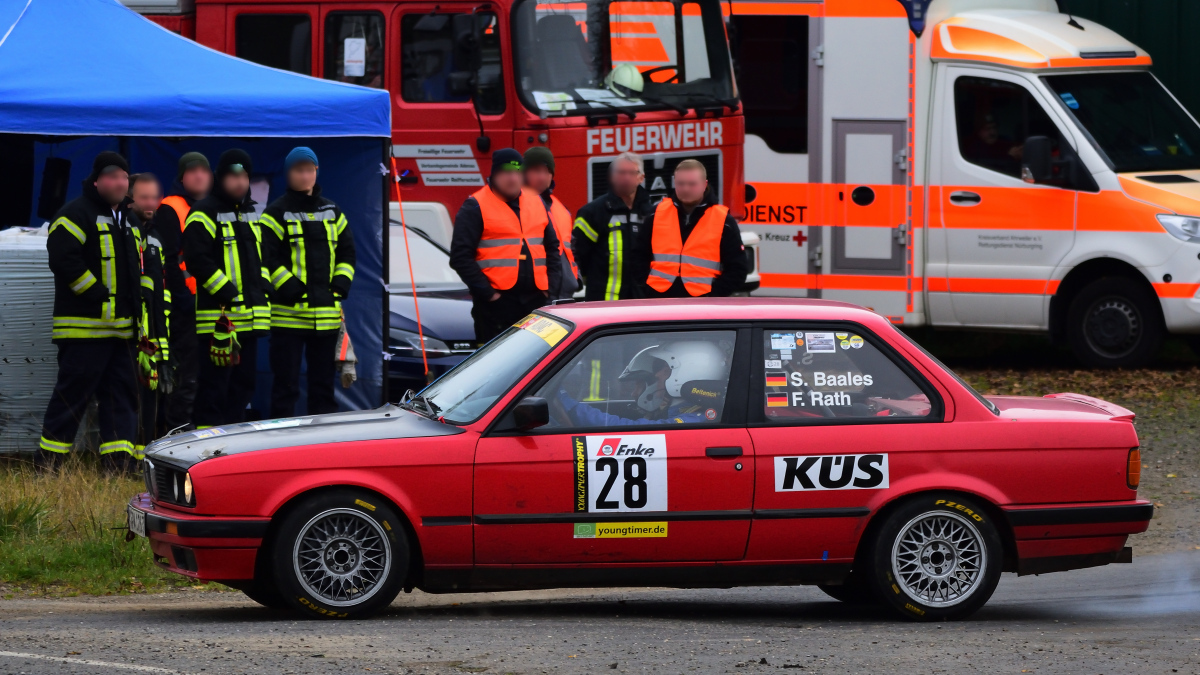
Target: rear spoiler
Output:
{"points": [[1117, 412]]}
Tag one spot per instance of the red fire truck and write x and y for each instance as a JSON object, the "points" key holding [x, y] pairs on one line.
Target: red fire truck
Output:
{"points": [[470, 77]]}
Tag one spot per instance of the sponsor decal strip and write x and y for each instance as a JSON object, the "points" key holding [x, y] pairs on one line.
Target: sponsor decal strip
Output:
{"points": [[620, 530], [831, 472]]}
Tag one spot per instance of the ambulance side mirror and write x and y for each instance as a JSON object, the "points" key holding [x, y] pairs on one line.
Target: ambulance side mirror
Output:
{"points": [[1037, 160], [532, 412]]}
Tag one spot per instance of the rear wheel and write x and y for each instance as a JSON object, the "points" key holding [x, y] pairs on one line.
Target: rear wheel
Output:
{"points": [[1114, 322], [341, 554], [936, 557]]}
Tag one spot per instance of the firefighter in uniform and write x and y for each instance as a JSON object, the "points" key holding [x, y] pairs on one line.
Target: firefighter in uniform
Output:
{"points": [[194, 180], [691, 247], [222, 242], [93, 253], [154, 372], [539, 177], [607, 230], [310, 260], [501, 235]]}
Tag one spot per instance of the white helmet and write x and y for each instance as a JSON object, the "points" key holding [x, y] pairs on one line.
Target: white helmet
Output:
{"points": [[690, 361], [625, 81]]}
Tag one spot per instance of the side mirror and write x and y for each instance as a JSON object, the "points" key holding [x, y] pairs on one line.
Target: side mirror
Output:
{"points": [[468, 50], [1036, 160], [532, 412]]}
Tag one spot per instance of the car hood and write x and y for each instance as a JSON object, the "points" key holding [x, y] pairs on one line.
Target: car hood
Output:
{"points": [[443, 316], [389, 421]]}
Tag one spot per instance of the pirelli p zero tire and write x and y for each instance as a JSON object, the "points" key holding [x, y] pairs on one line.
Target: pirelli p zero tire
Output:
{"points": [[1115, 322], [936, 557], [339, 555]]}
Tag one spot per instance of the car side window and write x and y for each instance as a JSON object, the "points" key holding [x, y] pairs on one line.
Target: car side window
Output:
{"points": [[994, 118], [815, 375], [643, 378], [427, 59]]}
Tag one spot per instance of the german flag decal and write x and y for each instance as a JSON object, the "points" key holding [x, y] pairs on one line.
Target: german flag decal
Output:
{"points": [[776, 379], [777, 400]]}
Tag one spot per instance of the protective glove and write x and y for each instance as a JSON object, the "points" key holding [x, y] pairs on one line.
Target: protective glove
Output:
{"points": [[147, 359], [224, 348]]}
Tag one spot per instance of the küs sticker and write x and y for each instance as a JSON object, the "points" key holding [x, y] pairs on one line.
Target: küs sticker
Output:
{"points": [[831, 472]]}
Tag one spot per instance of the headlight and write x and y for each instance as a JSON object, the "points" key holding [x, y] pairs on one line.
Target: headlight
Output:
{"points": [[408, 343], [187, 488], [1186, 228]]}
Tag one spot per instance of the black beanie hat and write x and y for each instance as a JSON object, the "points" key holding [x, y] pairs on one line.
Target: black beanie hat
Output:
{"points": [[506, 159], [103, 161], [231, 158], [539, 156], [189, 160]]}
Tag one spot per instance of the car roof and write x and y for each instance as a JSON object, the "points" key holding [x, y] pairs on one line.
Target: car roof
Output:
{"points": [[590, 314]]}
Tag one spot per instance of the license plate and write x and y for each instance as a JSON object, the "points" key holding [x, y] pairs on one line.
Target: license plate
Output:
{"points": [[137, 521]]}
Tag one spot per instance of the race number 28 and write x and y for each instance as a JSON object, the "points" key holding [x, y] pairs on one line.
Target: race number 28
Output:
{"points": [[620, 473]]}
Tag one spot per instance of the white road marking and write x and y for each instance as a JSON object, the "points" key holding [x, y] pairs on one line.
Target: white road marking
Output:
{"points": [[89, 662]]}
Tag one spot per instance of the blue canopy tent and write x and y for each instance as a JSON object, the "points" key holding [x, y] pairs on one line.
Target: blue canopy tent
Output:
{"points": [[81, 76]]}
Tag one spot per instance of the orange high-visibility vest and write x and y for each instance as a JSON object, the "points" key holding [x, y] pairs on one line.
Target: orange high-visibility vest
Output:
{"points": [[560, 217], [181, 208], [499, 251], [697, 261]]}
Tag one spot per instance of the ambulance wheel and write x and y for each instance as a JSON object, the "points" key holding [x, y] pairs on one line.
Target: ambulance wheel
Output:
{"points": [[340, 555], [936, 557], [1114, 322], [853, 591]]}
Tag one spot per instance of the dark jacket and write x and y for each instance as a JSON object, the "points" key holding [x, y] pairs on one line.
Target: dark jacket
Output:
{"points": [[156, 298], [216, 226], [468, 230], [170, 235], [309, 279], [607, 269], [95, 296], [733, 255]]}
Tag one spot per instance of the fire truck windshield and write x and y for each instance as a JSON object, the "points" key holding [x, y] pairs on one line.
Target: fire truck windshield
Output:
{"points": [[567, 52]]}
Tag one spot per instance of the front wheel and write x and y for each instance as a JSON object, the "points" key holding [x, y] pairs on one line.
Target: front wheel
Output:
{"points": [[1114, 323], [936, 557], [340, 555]]}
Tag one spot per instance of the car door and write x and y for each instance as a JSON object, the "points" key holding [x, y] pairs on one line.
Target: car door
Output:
{"points": [[836, 416], [646, 457]]}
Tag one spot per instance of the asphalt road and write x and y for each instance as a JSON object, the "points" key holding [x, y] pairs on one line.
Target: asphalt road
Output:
{"points": [[1139, 618]]}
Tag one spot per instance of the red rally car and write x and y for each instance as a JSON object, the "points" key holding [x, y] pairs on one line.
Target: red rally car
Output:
{"points": [[693, 443]]}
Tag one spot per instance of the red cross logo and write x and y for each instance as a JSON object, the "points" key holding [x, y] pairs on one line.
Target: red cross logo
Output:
{"points": [[799, 238]]}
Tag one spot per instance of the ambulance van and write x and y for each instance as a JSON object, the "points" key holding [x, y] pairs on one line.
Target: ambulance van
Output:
{"points": [[980, 164]]}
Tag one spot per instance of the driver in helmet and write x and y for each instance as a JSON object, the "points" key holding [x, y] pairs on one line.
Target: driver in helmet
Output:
{"points": [[673, 383]]}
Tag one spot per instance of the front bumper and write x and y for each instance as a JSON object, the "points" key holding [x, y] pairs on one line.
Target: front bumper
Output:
{"points": [[202, 547], [1057, 537]]}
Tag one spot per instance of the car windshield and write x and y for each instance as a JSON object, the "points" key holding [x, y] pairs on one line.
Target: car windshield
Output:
{"points": [[676, 53], [464, 394], [1134, 122], [430, 263]]}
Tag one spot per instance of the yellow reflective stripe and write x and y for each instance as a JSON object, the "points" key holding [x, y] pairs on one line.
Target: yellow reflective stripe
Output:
{"points": [[84, 282], [582, 226], [91, 322], [54, 446], [345, 269], [167, 297], [215, 282], [108, 268], [233, 263], [90, 333], [280, 277], [139, 452], [295, 232], [147, 283], [69, 227], [616, 252], [594, 383], [200, 217], [273, 224], [340, 224], [116, 446]]}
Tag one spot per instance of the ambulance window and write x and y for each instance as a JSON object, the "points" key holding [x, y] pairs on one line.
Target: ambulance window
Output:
{"points": [[354, 48], [427, 58], [772, 77], [282, 41], [817, 375], [994, 119], [643, 379]]}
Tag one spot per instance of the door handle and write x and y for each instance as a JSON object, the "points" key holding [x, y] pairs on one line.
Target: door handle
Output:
{"points": [[733, 451], [965, 198]]}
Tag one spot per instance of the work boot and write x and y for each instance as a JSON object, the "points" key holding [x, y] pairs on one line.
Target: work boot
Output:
{"points": [[46, 462], [118, 464]]}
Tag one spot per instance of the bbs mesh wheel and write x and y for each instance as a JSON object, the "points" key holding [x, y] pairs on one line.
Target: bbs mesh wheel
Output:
{"points": [[936, 557], [340, 554]]}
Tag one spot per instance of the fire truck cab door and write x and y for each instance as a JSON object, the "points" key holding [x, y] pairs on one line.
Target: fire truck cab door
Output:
{"points": [[995, 239]]}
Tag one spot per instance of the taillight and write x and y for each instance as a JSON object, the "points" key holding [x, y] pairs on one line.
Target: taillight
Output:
{"points": [[1133, 472]]}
